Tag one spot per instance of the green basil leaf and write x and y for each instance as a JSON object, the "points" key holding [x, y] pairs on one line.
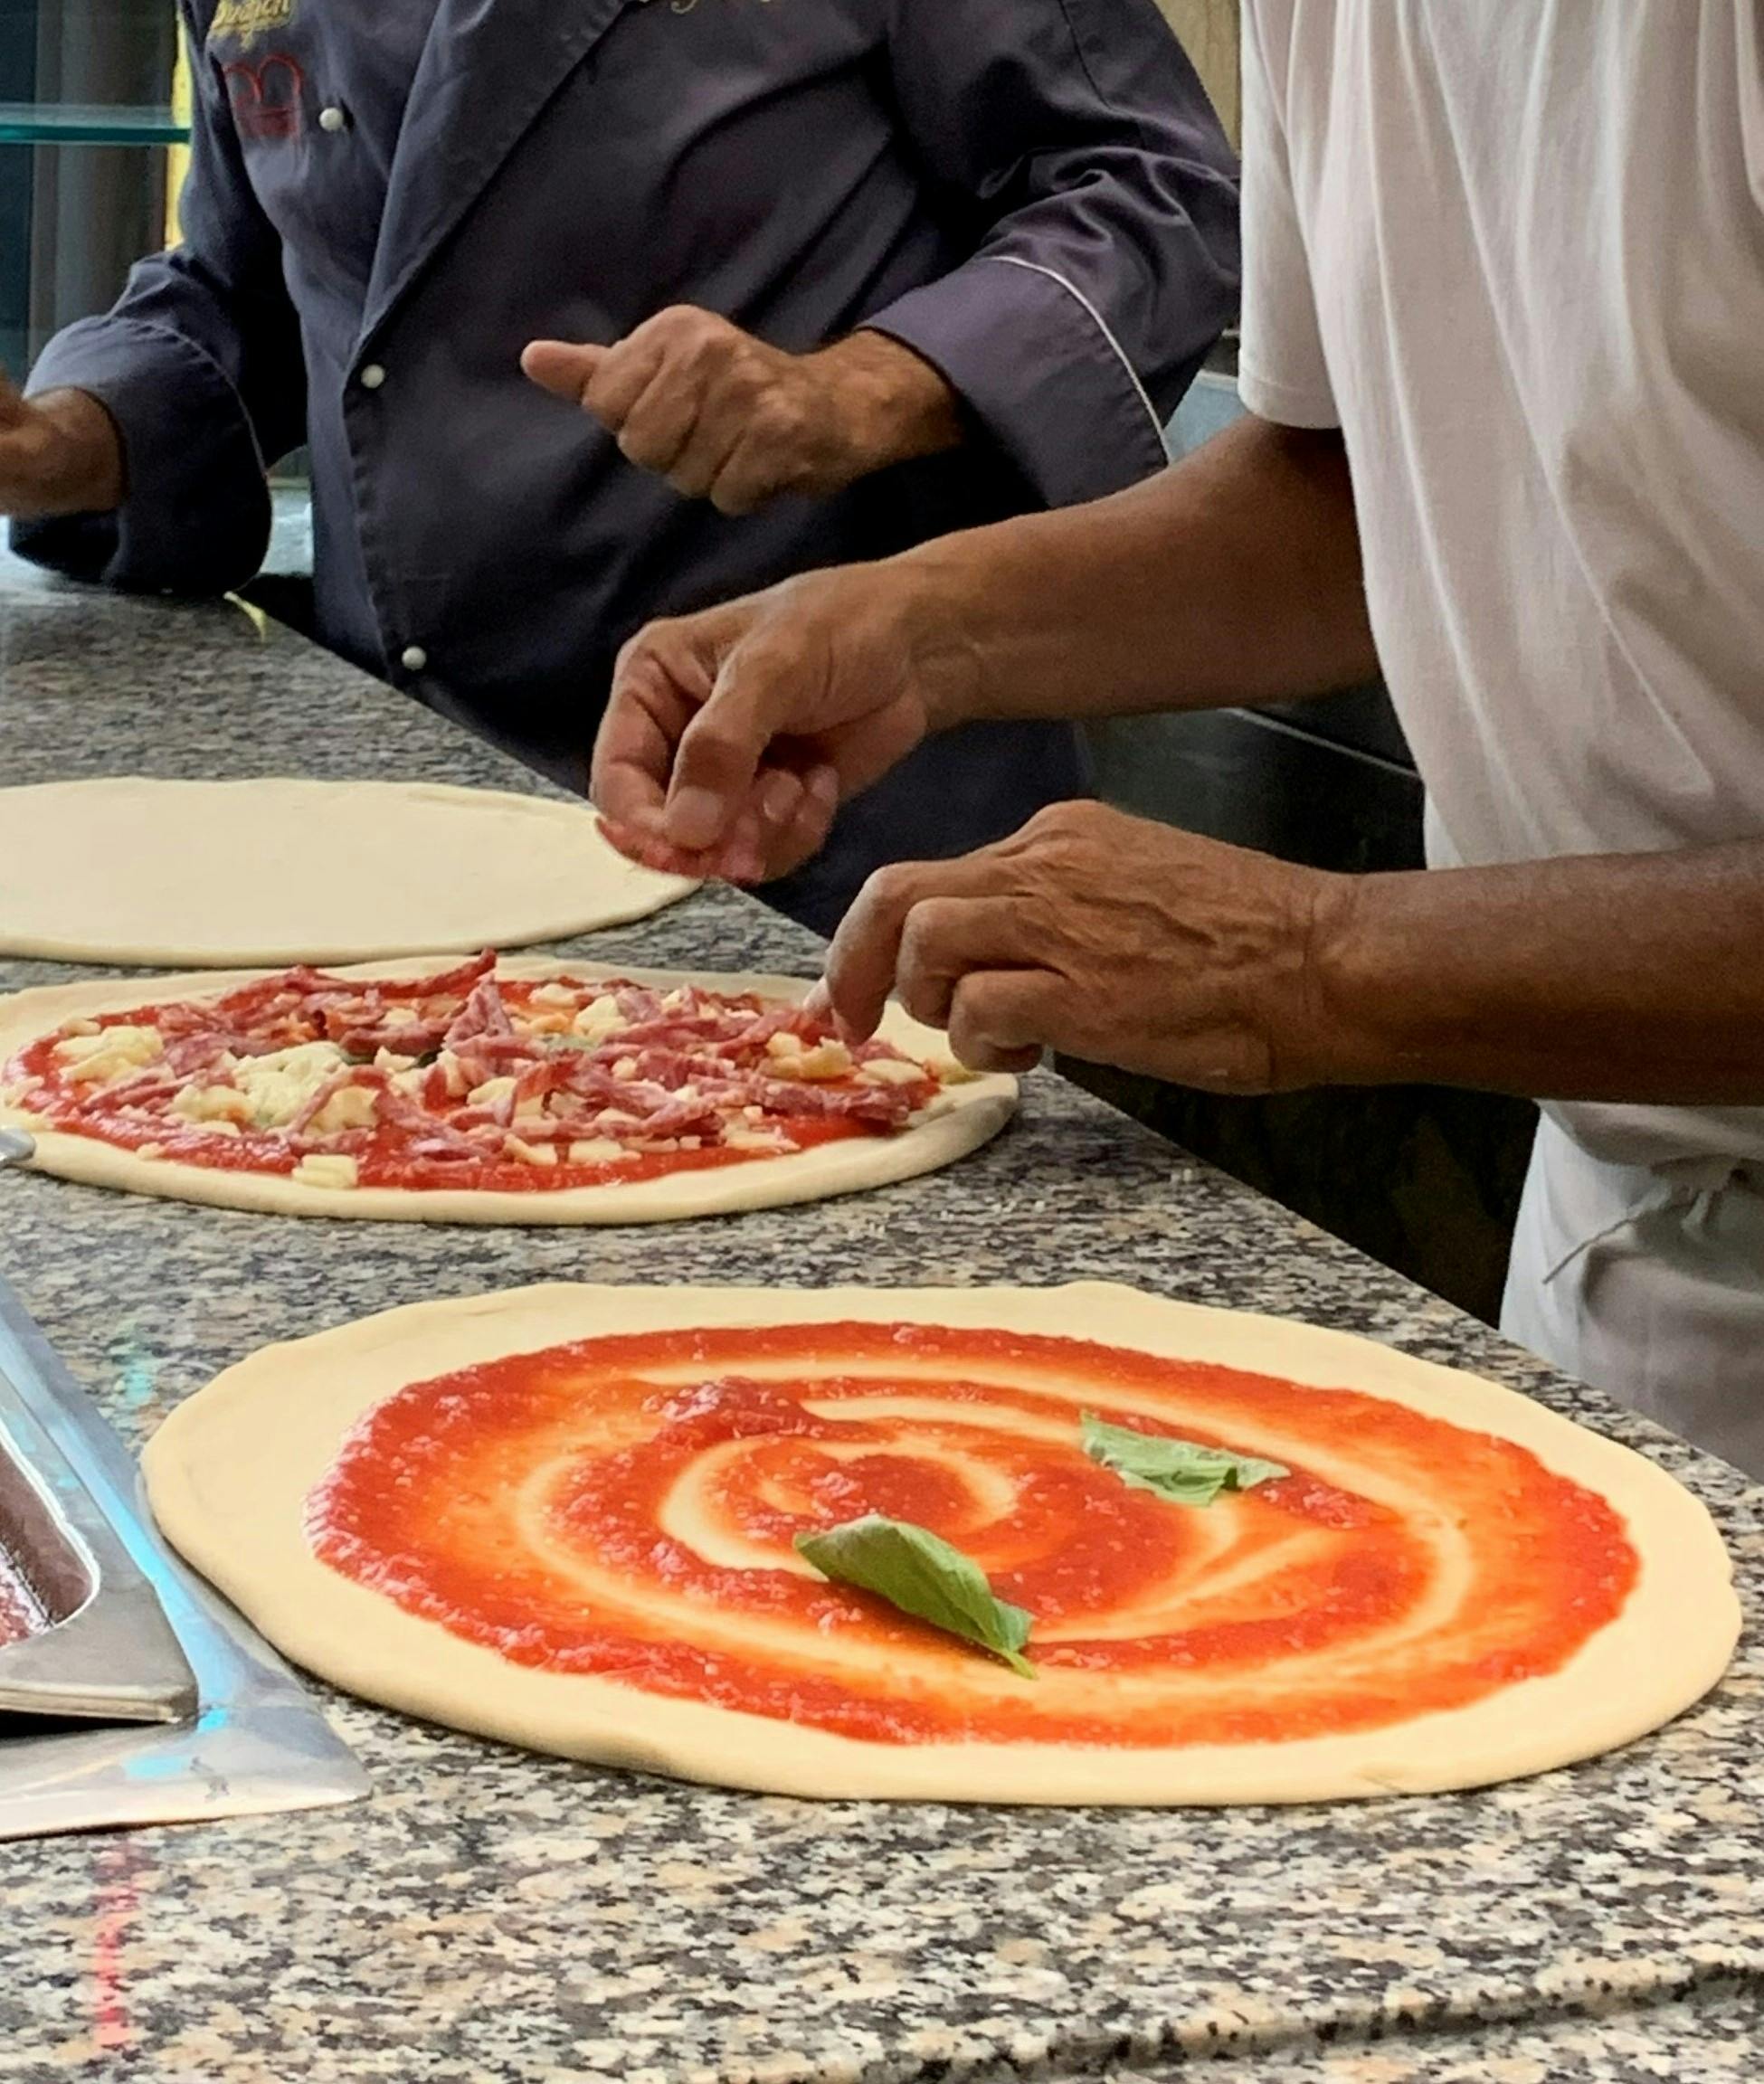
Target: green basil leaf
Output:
{"points": [[1180, 1470], [921, 1575]]}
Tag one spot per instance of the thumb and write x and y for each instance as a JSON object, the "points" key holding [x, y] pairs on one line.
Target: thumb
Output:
{"points": [[564, 367]]}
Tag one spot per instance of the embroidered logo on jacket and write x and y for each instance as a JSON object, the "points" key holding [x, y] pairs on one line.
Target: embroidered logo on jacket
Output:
{"points": [[266, 98], [242, 22]]}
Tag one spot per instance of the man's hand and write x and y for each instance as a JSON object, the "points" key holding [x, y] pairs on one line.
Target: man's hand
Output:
{"points": [[732, 737], [723, 417], [1104, 937], [59, 454]]}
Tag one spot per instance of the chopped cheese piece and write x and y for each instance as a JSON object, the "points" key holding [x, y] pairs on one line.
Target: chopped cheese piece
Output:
{"points": [[891, 1071], [80, 1027], [948, 1072], [600, 1018], [210, 1104], [109, 1053], [530, 1153], [595, 1151], [825, 1060], [350, 1107], [626, 1068], [784, 1044], [753, 1139], [328, 1169], [280, 1085], [449, 1068], [490, 1092], [393, 1066], [555, 993]]}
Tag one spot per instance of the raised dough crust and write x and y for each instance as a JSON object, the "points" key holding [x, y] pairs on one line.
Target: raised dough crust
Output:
{"points": [[229, 1471], [964, 1118], [273, 871]]}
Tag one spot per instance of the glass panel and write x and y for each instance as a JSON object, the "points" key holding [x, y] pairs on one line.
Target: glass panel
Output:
{"points": [[24, 123], [86, 117]]}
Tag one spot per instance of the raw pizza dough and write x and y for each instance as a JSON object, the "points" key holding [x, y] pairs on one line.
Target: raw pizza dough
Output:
{"points": [[276, 871], [229, 1475], [964, 1117]]}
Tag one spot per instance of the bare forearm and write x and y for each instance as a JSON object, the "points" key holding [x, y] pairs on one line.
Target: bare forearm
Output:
{"points": [[1234, 577], [1625, 978]]}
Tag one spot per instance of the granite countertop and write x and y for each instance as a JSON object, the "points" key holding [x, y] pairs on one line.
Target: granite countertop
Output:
{"points": [[490, 1914]]}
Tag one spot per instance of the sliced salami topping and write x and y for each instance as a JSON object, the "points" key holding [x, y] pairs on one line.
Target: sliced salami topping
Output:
{"points": [[467, 1077]]}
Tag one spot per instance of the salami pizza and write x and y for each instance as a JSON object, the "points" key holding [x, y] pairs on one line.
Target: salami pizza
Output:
{"points": [[521, 1092], [1068, 1545]]}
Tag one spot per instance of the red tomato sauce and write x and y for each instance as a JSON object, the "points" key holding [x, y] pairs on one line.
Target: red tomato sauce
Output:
{"points": [[626, 1506]]}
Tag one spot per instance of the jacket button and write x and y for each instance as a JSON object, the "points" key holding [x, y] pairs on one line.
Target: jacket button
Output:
{"points": [[372, 376], [414, 659], [333, 119]]}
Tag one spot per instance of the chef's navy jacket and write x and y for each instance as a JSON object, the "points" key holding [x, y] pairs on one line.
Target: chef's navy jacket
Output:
{"points": [[390, 198]]}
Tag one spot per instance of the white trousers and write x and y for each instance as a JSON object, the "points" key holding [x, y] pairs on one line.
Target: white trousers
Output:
{"points": [[1649, 1284]]}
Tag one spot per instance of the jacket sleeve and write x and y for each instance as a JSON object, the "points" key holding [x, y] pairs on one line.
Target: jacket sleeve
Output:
{"points": [[200, 365], [1075, 138]]}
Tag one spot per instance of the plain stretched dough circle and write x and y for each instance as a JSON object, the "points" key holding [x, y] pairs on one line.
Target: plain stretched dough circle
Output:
{"points": [[963, 1117], [229, 1471], [210, 874]]}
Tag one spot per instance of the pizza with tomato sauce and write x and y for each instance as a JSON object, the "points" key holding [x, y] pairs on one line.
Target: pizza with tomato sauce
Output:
{"points": [[511, 1092], [1076, 1545]]}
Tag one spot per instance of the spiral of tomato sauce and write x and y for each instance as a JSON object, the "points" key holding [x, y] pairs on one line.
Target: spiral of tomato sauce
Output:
{"points": [[627, 1508]]}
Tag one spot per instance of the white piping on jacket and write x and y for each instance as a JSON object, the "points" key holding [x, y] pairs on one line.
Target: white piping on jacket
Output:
{"points": [[1102, 325]]}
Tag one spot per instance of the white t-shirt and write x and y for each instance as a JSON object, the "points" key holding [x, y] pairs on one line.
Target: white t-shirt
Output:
{"points": [[1515, 248]]}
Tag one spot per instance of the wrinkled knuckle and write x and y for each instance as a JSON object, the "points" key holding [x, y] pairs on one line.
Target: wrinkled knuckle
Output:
{"points": [[890, 889], [1064, 820], [746, 387], [921, 938], [708, 337], [649, 646], [778, 420], [711, 737]]}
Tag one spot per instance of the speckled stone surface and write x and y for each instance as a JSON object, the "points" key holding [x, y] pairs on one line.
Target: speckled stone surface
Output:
{"points": [[490, 1916]]}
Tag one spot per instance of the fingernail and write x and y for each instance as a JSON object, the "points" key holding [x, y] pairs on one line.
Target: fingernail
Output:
{"points": [[824, 785], [778, 796], [694, 818]]}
